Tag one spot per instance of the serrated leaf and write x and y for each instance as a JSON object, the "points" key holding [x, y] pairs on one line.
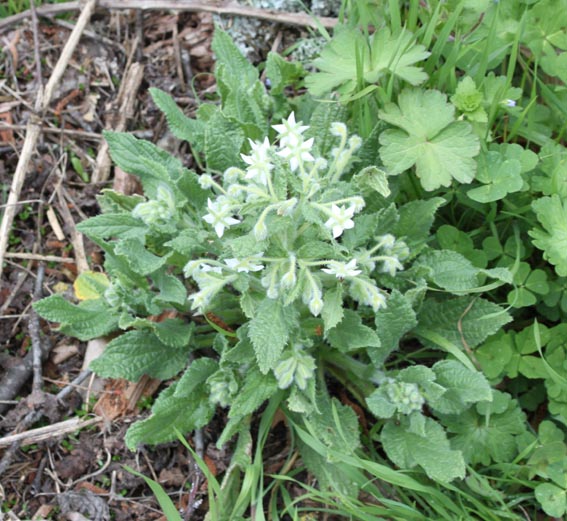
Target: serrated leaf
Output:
{"points": [[461, 319], [552, 214], [174, 332], [181, 126], [135, 353], [115, 202], [449, 270], [144, 159], [189, 242], [462, 387], [90, 285], [374, 178], [269, 332], [379, 405], [188, 186], [392, 322], [441, 148], [171, 289], [282, 73], [415, 221], [256, 390], [333, 311], [351, 334], [228, 55], [184, 407], [320, 125], [432, 452], [223, 140], [119, 225], [90, 319], [141, 261]]}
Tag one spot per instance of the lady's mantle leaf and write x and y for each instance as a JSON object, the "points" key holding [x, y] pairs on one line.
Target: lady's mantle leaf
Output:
{"points": [[383, 54], [432, 451], [487, 432], [552, 214], [429, 138]]}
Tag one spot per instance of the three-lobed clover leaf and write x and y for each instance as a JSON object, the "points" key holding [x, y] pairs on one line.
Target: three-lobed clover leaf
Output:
{"points": [[428, 138]]}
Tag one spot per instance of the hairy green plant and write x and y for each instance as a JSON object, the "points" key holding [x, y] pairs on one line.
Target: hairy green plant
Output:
{"points": [[399, 245]]}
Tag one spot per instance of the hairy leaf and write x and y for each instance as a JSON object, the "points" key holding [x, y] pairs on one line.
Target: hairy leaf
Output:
{"points": [[392, 322], [432, 451], [351, 334], [119, 225], [181, 126], [462, 319], [269, 332], [135, 353], [90, 319], [183, 406], [462, 387]]}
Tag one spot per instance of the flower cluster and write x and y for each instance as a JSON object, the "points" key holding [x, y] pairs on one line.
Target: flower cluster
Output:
{"points": [[295, 208], [405, 396]]}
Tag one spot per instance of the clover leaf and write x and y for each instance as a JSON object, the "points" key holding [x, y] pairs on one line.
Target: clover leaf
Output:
{"points": [[429, 138], [552, 214]]}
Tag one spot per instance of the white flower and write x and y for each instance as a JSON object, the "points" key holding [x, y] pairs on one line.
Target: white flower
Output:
{"points": [[391, 265], [289, 132], [338, 129], [259, 162], [297, 152], [316, 305], [205, 181], [287, 206], [219, 216], [207, 267], [510, 103], [246, 265], [340, 220], [342, 270], [232, 175], [260, 230], [354, 143]]}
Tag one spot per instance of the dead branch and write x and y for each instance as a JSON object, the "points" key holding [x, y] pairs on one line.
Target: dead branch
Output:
{"points": [[35, 333], [220, 7], [48, 432]]}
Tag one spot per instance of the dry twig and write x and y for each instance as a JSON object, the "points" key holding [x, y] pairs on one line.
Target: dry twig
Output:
{"points": [[35, 333]]}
